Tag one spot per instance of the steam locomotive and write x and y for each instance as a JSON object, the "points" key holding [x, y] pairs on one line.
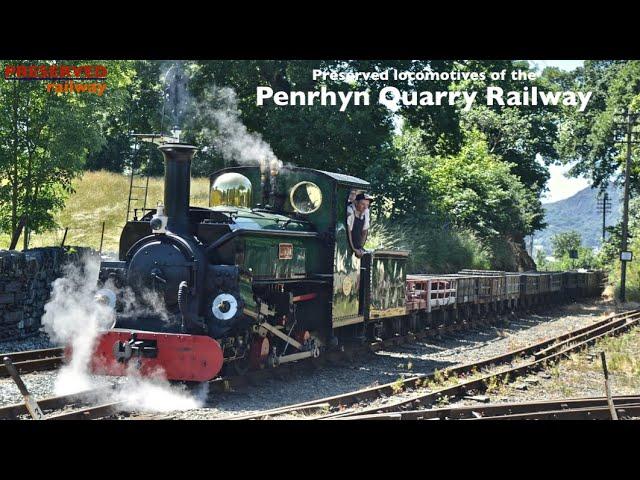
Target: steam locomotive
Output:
{"points": [[266, 275]]}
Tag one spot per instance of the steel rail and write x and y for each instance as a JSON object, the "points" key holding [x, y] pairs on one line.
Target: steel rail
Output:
{"points": [[413, 382], [480, 383], [89, 413], [590, 413], [34, 354], [12, 412], [505, 409], [34, 360]]}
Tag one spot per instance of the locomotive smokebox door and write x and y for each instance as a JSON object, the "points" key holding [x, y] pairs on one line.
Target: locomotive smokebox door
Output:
{"points": [[160, 264]]}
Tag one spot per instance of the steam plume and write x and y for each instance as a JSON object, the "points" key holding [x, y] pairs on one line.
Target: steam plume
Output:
{"points": [[73, 318], [220, 114]]}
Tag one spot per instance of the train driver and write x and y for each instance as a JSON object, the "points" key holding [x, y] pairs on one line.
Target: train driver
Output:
{"points": [[358, 223]]}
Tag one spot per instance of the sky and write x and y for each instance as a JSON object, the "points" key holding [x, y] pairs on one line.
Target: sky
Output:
{"points": [[567, 65], [560, 186]]}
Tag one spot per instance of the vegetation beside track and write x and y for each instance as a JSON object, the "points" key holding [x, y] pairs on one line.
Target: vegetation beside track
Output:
{"points": [[102, 196]]}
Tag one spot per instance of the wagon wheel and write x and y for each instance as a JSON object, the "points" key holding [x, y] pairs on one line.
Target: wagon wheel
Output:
{"points": [[394, 327], [412, 323]]}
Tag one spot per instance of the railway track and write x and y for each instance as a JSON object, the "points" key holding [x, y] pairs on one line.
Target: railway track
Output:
{"points": [[350, 352], [34, 360], [346, 355], [467, 377], [595, 408], [87, 405], [61, 407], [51, 358]]}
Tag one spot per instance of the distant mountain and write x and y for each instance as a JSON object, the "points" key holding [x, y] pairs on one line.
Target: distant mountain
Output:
{"points": [[579, 213]]}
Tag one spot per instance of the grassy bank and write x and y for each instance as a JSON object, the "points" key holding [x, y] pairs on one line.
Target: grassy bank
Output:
{"points": [[102, 196]]}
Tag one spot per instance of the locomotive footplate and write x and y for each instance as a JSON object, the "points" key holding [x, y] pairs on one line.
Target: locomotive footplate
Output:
{"points": [[195, 358]]}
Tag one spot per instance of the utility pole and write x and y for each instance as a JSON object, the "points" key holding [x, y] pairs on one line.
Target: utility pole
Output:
{"points": [[604, 207], [531, 247], [629, 121]]}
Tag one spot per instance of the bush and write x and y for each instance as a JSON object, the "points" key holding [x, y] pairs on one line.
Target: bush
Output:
{"points": [[434, 249]]}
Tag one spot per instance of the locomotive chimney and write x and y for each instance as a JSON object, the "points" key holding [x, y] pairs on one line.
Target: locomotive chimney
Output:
{"points": [[177, 184]]}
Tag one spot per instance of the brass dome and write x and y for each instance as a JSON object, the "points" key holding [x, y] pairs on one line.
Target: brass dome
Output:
{"points": [[231, 190]]}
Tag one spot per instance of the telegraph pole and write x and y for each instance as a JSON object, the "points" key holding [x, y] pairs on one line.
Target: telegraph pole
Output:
{"points": [[630, 120], [604, 206]]}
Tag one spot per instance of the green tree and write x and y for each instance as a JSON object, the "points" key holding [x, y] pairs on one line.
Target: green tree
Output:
{"points": [[591, 138], [139, 112], [521, 136], [44, 141], [563, 243], [307, 136], [472, 190], [478, 190], [541, 260]]}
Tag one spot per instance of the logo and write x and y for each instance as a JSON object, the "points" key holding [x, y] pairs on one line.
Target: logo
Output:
{"points": [[285, 251], [62, 79]]}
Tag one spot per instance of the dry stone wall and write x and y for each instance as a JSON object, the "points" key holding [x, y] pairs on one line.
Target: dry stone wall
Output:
{"points": [[25, 285]]}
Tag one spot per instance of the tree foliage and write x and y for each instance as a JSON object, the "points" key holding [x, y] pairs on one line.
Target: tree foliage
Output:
{"points": [[44, 141], [565, 242], [591, 139], [474, 189], [523, 136], [320, 137]]}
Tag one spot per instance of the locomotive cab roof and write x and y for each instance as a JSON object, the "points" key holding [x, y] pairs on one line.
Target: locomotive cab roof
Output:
{"points": [[313, 195], [340, 178]]}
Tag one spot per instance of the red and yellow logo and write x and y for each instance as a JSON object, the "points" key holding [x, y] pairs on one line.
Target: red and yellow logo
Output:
{"points": [[61, 79]]}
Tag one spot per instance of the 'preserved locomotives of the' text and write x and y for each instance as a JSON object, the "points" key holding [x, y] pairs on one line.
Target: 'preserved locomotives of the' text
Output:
{"points": [[267, 275]]}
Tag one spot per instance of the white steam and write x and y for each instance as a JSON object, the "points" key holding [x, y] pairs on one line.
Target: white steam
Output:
{"points": [[72, 317], [220, 114], [152, 394]]}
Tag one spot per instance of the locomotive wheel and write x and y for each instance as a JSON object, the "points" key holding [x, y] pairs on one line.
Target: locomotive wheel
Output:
{"points": [[241, 366]]}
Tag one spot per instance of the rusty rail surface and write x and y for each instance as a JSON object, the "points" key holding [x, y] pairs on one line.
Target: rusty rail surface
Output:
{"points": [[62, 402], [542, 409], [554, 348], [34, 360]]}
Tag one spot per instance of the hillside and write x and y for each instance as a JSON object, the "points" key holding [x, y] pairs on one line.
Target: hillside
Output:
{"points": [[579, 213], [102, 196]]}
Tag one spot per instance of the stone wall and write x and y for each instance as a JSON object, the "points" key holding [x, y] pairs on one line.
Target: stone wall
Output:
{"points": [[25, 285]]}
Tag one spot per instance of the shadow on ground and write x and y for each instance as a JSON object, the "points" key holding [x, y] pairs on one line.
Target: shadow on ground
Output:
{"points": [[420, 357]]}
